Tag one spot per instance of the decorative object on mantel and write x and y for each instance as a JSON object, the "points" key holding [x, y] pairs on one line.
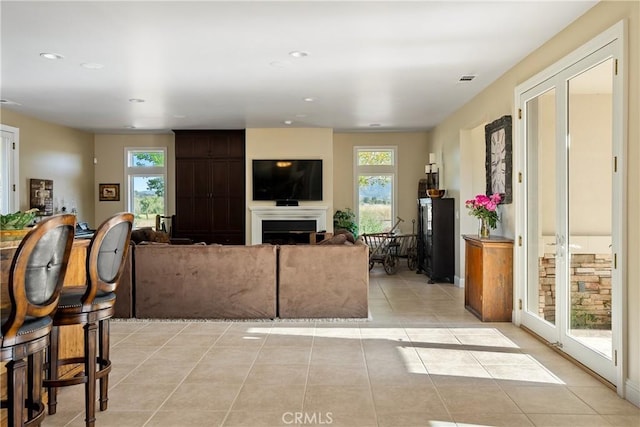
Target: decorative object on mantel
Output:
{"points": [[498, 163], [485, 209]]}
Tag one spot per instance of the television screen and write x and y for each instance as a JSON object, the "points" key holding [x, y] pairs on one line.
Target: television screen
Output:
{"points": [[287, 180]]}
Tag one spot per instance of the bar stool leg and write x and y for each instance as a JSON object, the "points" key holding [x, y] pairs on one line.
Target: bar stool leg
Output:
{"points": [[104, 326], [16, 370], [90, 373], [34, 384], [52, 369]]}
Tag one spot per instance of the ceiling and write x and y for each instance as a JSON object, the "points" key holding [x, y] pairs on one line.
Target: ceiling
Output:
{"points": [[383, 65]]}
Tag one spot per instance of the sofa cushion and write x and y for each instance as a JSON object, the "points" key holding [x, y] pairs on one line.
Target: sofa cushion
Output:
{"points": [[317, 281], [205, 281], [350, 237], [149, 235], [338, 239]]}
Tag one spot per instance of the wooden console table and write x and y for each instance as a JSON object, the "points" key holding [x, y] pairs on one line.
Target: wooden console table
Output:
{"points": [[488, 287]]}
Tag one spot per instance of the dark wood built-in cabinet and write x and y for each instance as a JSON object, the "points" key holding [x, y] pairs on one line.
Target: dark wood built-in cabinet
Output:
{"points": [[436, 244], [210, 186], [488, 283]]}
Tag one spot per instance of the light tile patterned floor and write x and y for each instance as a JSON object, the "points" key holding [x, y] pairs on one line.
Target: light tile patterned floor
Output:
{"points": [[421, 360]]}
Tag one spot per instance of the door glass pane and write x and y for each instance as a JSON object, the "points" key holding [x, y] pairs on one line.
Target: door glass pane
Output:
{"points": [[375, 195], [541, 210], [590, 204], [148, 199]]}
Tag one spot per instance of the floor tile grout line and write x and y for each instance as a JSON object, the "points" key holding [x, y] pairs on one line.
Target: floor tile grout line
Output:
{"points": [[187, 374], [244, 381], [306, 382]]}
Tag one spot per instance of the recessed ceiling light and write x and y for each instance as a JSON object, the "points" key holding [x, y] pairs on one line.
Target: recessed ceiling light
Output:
{"points": [[375, 125], [467, 78], [308, 99], [298, 54], [130, 127], [288, 122], [136, 100], [8, 102], [91, 65], [52, 56]]}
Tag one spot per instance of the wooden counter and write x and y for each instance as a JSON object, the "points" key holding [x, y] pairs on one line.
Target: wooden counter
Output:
{"points": [[488, 285]]}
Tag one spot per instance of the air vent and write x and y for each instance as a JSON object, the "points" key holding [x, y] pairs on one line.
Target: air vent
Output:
{"points": [[467, 78]]}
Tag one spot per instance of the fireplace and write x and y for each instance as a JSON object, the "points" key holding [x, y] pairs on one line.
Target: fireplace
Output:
{"points": [[276, 216], [287, 232]]}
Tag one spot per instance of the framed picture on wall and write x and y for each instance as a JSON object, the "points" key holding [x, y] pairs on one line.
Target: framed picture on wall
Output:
{"points": [[498, 163], [109, 192], [41, 196]]}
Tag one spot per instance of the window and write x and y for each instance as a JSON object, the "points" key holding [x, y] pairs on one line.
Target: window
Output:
{"points": [[375, 173], [146, 178]]}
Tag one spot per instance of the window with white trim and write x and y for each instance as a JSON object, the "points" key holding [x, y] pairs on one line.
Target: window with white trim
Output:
{"points": [[375, 188], [146, 184]]}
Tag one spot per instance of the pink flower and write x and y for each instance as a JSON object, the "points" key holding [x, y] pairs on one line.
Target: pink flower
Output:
{"points": [[483, 206]]}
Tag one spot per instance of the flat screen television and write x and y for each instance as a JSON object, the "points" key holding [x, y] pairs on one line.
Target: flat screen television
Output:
{"points": [[287, 179]]}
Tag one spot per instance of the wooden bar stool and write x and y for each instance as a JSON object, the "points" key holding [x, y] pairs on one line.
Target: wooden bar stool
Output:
{"points": [[91, 305], [35, 280]]}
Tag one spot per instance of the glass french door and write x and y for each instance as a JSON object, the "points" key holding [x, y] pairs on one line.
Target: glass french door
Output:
{"points": [[570, 231]]}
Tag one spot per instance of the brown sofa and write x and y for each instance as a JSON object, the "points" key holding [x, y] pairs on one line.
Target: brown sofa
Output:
{"points": [[323, 281], [208, 282], [251, 282]]}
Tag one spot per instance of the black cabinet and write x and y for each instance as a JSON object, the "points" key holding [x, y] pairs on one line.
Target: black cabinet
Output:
{"points": [[436, 257], [210, 186]]}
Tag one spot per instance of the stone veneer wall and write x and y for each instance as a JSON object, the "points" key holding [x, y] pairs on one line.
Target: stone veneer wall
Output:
{"points": [[590, 290]]}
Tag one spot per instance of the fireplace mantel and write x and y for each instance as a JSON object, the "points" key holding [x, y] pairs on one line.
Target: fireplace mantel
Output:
{"points": [[270, 213]]}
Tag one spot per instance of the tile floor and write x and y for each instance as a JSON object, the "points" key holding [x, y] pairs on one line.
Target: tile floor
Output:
{"points": [[421, 360]]}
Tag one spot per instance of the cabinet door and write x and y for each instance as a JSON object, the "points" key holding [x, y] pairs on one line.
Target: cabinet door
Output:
{"points": [[443, 242], [193, 196], [192, 144], [228, 195], [474, 275], [428, 236]]}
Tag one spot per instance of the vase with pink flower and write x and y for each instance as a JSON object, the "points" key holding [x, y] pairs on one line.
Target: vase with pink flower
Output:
{"points": [[485, 208]]}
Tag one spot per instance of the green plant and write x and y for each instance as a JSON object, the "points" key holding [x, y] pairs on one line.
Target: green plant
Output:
{"points": [[17, 220], [345, 219]]}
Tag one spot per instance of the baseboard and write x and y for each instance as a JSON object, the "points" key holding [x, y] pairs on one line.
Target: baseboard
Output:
{"points": [[632, 392], [458, 282]]}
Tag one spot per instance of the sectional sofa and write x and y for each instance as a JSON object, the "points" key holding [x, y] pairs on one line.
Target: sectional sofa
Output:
{"points": [[246, 282]]}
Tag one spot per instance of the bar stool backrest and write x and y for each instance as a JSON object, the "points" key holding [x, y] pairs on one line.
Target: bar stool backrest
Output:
{"points": [[106, 256], [37, 272]]}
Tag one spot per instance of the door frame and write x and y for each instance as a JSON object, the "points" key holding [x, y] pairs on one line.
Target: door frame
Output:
{"points": [[618, 34], [12, 172]]}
